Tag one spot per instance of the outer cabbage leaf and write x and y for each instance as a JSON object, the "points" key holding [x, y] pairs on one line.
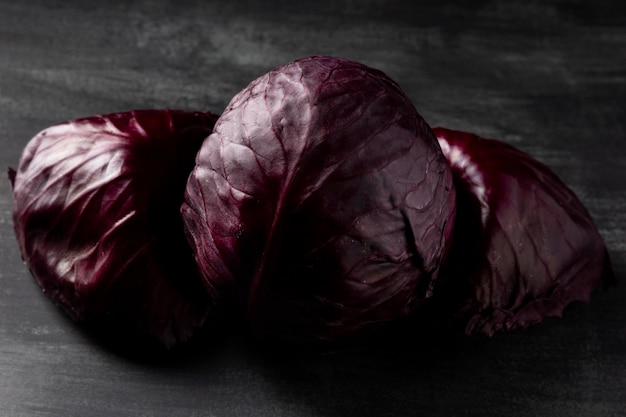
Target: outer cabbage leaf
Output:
{"points": [[96, 215], [325, 193], [524, 245]]}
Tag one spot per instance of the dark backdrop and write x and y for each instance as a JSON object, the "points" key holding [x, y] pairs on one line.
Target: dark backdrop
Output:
{"points": [[546, 76]]}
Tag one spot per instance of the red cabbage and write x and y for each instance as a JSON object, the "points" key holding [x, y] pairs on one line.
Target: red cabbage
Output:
{"points": [[96, 215], [524, 245], [322, 202]]}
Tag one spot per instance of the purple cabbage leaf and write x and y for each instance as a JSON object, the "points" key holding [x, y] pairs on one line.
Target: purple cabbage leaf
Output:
{"points": [[97, 218], [524, 246]]}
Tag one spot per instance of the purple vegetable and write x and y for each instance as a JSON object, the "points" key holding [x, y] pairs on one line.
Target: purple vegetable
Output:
{"points": [[96, 215], [323, 197], [524, 245]]}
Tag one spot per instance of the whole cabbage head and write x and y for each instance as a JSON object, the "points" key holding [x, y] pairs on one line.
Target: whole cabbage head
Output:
{"points": [[322, 202]]}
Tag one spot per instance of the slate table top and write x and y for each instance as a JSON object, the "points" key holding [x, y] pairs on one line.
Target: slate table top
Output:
{"points": [[548, 77]]}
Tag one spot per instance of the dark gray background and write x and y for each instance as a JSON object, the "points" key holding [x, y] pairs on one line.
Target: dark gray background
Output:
{"points": [[546, 76]]}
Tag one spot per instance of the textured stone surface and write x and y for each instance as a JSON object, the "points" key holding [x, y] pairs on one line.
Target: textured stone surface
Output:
{"points": [[548, 77]]}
